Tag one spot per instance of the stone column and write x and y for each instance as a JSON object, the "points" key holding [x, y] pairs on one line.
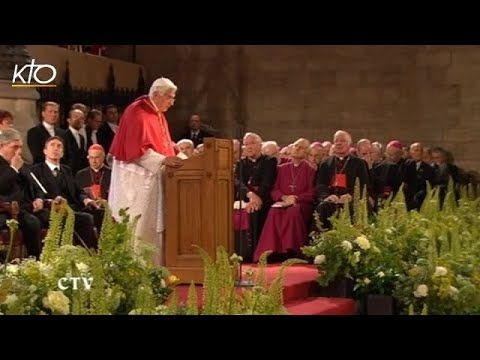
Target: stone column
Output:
{"points": [[21, 102]]}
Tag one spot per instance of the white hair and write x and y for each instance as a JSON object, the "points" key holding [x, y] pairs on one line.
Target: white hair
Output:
{"points": [[270, 143], [162, 86], [257, 137], [185, 141], [343, 133], [9, 135]]}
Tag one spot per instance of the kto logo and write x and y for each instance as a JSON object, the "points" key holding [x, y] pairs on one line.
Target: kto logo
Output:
{"points": [[23, 77], [67, 282]]}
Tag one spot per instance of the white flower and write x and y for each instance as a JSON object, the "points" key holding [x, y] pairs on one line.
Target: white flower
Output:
{"points": [[453, 290], [356, 254], [319, 259], [32, 288], [422, 291], [10, 299], [389, 231], [363, 242], [347, 245], [109, 292], [44, 268], [381, 274], [57, 302], [235, 258], [440, 271], [366, 281], [163, 283], [12, 269], [82, 267]]}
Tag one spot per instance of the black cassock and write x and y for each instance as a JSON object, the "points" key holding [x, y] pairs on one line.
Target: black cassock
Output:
{"points": [[259, 177], [337, 176]]}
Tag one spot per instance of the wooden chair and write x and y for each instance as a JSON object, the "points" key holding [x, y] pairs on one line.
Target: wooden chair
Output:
{"points": [[19, 250]]}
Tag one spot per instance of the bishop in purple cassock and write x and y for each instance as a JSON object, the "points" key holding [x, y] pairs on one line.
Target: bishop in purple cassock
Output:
{"points": [[286, 227]]}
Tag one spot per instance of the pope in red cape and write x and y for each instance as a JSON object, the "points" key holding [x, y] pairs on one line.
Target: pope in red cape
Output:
{"points": [[141, 148]]}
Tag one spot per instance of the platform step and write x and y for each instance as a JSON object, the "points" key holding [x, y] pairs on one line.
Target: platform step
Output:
{"points": [[322, 306]]}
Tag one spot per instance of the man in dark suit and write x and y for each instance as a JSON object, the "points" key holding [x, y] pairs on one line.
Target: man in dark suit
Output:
{"points": [[195, 133], [417, 173], [95, 180], [57, 181], [75, 155], [98, 131], [107, 130], [37, 135], [389, 174], [16, 186]]}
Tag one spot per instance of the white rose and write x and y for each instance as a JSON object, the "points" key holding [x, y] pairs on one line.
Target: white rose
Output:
{"points": [[440, 271], [57, 302], [10, 299], [12, 269], [319, 259], [347, 245], [381, 274], [422, 291], [356, 254], [82, 267], [363, 242]]}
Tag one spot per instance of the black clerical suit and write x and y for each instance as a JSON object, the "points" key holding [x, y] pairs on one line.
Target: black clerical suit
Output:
{"points": [[415, 187], [88, 177], [350, 168], [16, 186], [387, 178], [259, 177], [62, 183]]}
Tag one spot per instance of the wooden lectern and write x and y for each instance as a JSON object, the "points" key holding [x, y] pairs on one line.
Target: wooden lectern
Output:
{"points": [[198, 205]]}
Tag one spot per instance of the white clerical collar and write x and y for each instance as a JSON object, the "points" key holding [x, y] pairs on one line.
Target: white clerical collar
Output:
{"points": [[97, 170], [74, 131], [48, 126], [52, 166]]}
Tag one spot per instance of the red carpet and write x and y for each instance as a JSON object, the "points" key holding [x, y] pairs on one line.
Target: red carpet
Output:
{"points": [[299, 285]]}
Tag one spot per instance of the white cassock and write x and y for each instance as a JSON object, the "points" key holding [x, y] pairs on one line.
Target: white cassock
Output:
{"points": [[138, 185]]}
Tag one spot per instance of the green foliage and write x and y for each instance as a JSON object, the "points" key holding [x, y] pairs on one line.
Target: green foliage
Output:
{"points": [[428, 260], [121, 282], [221, 296]]}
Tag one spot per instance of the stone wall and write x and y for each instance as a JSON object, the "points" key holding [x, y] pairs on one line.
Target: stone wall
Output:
{"points": [[86, 70], [411, 93]]}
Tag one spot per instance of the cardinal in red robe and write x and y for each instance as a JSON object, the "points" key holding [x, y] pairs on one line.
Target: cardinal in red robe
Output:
{"points": [[286, 228], [141, 147]]}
